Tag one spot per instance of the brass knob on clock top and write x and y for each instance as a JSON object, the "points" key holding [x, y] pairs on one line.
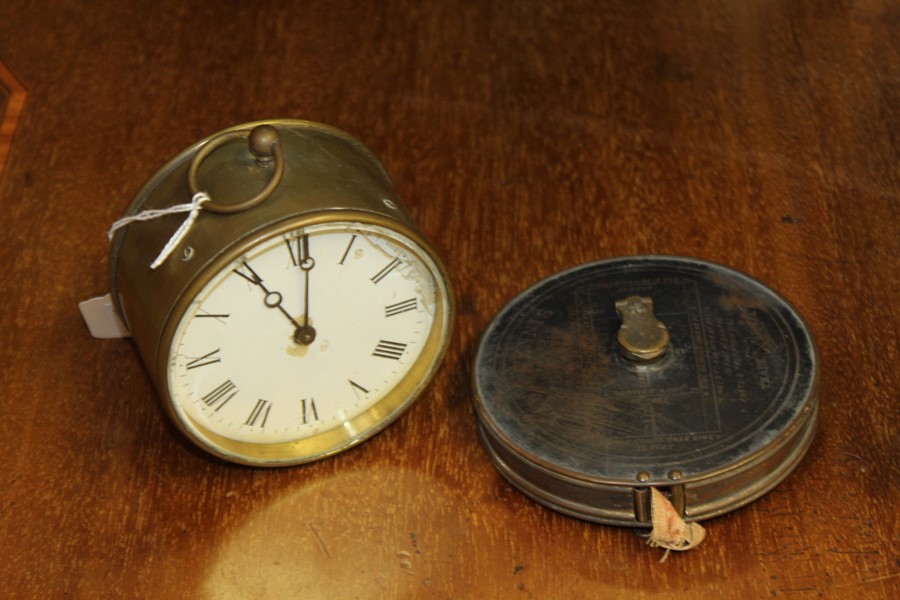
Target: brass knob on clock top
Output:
{"points": [[264, 143]]}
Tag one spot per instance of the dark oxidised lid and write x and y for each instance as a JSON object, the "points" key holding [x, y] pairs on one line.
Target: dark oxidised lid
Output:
{"points": [[602, 381]]}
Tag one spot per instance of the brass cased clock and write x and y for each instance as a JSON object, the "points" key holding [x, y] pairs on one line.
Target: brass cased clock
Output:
{"points": [[302, 312]]}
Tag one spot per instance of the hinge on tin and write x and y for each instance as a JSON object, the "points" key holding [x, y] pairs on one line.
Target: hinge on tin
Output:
{"points": [[641, 496]]}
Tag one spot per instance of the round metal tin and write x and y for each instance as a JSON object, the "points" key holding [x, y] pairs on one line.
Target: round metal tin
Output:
{"points": [[721, 418]]}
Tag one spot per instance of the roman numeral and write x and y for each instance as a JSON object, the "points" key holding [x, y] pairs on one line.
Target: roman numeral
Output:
{"points": [[308, 410], [206, 359], [259, 414], [220, 396], [294, 252], [385, 271], [298, 248], [390, 350], [347, 251], [252, 277], [356, 386], [401, 307], [203, 314]]}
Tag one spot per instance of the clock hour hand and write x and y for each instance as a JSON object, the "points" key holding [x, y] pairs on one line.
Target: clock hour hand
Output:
{"points": [[305, 333], [271, 299]]}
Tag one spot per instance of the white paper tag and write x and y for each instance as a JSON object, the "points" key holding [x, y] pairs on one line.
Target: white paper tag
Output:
{"points": [[100, 316]]}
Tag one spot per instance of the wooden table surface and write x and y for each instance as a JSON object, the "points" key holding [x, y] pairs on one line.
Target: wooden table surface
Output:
{"points": [[525, 138]]}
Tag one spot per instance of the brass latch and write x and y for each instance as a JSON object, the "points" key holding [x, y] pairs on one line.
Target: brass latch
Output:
{"points": [[641, 337]]}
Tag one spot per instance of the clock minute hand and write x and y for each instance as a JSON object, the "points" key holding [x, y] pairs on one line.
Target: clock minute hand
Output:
{"points": [[305, 334], [271, 299]]}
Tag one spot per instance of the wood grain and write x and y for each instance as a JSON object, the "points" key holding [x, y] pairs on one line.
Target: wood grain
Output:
{"points": [[525, 138]]}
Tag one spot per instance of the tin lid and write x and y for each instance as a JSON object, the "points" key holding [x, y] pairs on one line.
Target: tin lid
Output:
{"points": [[613, 377]]}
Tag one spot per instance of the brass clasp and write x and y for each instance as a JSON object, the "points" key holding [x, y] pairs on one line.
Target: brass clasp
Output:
{"points": [[641, 337]]}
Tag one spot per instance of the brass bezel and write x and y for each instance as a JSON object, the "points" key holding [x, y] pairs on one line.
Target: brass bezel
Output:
{"points": [[358, 429]]}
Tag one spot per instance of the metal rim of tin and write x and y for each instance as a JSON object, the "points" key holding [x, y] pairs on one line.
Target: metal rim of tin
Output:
{"points": [[537, 423]]}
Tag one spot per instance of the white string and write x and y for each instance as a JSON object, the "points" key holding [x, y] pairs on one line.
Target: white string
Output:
{"points": [[193, 208]]}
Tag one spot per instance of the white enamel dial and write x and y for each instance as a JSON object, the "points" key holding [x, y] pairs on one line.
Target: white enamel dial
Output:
{"points": [[304, 333]]}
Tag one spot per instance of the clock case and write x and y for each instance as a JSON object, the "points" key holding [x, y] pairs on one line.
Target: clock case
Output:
{"points": [[328, 176]]}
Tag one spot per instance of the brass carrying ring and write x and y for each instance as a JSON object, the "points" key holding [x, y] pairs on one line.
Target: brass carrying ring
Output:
{"points": [[264, 143]]}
